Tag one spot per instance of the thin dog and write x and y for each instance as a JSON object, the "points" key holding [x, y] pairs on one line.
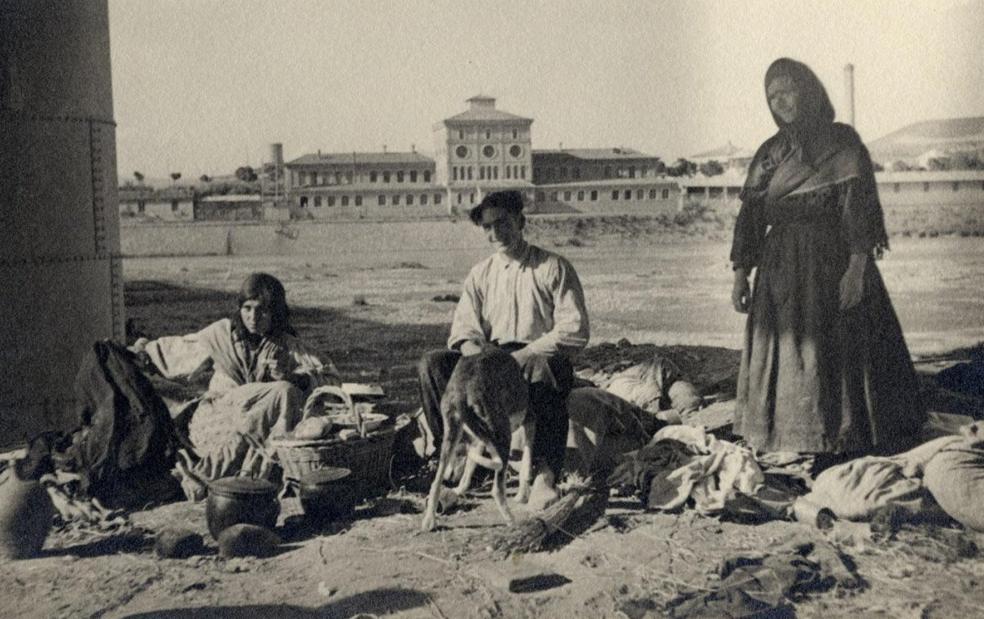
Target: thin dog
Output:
{"points": [[486, 399]]}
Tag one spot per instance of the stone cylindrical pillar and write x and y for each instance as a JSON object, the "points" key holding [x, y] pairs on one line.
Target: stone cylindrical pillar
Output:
{"points": [[61, 284]]}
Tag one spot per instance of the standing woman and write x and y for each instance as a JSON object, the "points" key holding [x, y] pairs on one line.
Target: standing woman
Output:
{"points": [[825, 369], [262, 374]]}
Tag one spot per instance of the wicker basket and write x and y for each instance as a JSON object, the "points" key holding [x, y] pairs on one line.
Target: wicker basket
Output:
{"points": [[367, 455]]}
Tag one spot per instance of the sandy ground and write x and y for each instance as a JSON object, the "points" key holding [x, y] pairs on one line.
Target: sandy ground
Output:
{"points": [[629, 565]]}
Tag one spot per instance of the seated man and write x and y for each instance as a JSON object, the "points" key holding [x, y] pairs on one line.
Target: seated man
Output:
{"points": [[528, 301]]}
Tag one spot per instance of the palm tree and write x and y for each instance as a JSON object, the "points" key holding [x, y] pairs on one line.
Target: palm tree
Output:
{"points": [[175, 176], [139, 176]]}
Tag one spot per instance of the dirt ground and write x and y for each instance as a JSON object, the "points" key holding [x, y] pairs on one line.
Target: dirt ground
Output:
{"points": [[374, 315]]}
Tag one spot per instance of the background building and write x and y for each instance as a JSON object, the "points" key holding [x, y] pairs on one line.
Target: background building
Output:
{"points": [[483, 149], [589, 164], [360, 185], [147, 203], [602, 181]]}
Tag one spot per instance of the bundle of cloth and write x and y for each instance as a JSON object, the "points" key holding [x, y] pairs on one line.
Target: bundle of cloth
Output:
{"points": [[947, 471], [686, 465]]}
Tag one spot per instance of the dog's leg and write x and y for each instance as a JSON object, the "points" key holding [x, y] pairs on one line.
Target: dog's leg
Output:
{"points": [[526, 464], [452, 434], [499, 486], [472, 460]]}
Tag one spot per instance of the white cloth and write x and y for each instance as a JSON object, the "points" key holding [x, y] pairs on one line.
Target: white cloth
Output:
{"points": [[181, 355], [855, 489], [955, 477], [713, 477], [536, 300]]}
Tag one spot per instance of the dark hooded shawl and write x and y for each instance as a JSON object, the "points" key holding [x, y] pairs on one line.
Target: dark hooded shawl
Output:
{"points": [[809, 154]]}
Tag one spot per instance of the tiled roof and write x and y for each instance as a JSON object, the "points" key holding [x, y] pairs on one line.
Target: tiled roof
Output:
{"points": [[149, 193], [641, 183], [233, 197], [360, 158], [486, 115], [495, 185], [596, 153], [727, 151]]}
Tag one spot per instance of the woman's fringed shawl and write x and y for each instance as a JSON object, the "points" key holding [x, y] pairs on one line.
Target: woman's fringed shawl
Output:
{"points": [[777, 171], [807, 155], [810, 154]]}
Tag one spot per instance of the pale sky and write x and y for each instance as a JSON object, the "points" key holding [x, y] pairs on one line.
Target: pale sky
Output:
{"points": [[203, 86]]}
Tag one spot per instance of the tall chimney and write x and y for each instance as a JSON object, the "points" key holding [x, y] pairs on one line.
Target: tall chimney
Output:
{"points": [[849, 94]]}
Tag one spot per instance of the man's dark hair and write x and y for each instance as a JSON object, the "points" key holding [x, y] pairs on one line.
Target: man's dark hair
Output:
{"points": [[511, 201]]}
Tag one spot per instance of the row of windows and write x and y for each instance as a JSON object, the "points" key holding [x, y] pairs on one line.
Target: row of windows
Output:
{"points": [[487, 172], [563, 172], [487, 133], [626, 194], [489, 151], [347, 178], [896, 187], [395, 199], [175, 206]]}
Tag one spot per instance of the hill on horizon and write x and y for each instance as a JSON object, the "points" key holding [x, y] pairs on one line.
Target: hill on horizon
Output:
{"points": [[949, 134]]}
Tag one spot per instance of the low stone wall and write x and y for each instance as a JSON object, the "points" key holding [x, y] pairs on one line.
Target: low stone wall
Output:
{"points": [[285, 238]]}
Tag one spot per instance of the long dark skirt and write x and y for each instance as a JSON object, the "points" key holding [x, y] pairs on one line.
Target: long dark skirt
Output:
{"points": [[815, 379]]}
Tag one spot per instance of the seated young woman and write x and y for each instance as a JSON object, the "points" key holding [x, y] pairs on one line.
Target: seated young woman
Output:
{"points": [[262, 376]]}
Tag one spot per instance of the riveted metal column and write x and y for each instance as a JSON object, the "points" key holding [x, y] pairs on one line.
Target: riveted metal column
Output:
{"points": [[61, 284]]}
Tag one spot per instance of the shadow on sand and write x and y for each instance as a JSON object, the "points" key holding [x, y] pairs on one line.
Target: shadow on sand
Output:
{"points": [[372, 603]]}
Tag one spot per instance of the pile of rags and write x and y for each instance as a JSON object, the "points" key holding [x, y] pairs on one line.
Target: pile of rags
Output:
{"points": [[684, 464]]}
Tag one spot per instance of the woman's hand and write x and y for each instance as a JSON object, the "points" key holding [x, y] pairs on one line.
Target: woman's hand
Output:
{"points": [[741, 293], [852, 283]]}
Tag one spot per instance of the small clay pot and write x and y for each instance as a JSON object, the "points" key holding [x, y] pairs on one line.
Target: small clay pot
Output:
{"points": [[241, 500], [25, 515], [328, 494]]}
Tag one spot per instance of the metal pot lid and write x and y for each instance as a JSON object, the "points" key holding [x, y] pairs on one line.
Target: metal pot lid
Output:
{"points": [[242, 486], [324, 476]]}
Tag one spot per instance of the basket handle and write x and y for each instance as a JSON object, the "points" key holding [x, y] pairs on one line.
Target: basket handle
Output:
{"points": [[346, 399]]}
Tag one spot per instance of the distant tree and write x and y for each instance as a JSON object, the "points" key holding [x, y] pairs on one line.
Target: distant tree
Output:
{"points": [[900, 166], [246, 174], [175, 176], [660, 167], [205, 178], [877, 166], [139, 176], [682, 167], [965, 161], [711, 168], [939, 163]]}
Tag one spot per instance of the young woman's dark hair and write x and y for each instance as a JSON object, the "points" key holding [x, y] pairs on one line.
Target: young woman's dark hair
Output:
{"points": [[268, 290]]}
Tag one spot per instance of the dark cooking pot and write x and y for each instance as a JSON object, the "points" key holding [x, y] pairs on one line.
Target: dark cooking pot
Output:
{"points": [[241, 500], [328, 494]]}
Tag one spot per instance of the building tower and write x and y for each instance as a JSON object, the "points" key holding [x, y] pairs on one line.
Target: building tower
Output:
{"points": [[482, 149]]}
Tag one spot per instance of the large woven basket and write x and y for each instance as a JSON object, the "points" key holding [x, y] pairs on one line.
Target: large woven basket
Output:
{"points": [[368, 455]]}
